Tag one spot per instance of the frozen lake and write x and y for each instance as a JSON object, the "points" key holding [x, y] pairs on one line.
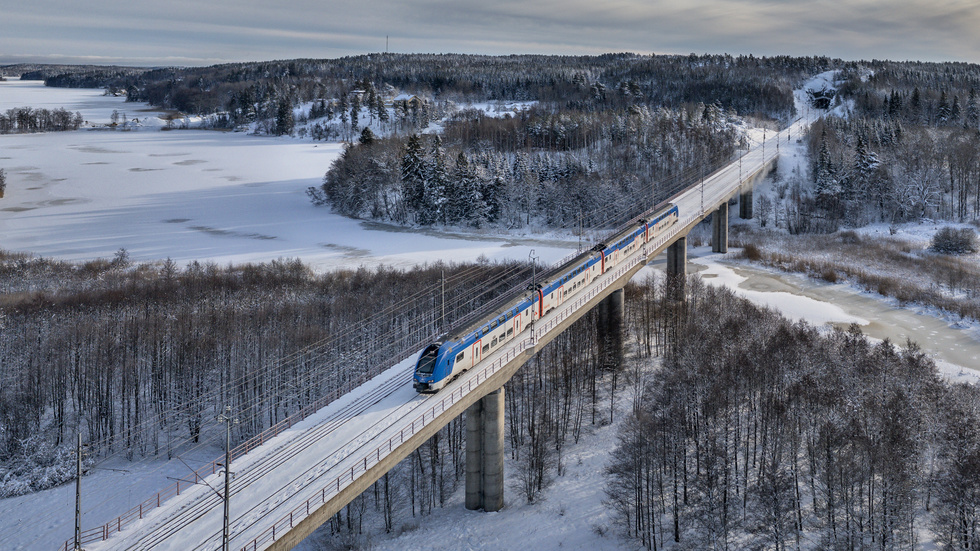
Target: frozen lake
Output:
{"points": [[194, 195]]}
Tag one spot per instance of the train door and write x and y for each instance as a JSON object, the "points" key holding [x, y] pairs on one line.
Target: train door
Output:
{"points": [[475, 352]]}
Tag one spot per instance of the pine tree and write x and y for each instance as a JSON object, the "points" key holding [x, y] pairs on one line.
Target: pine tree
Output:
{"points": [[943, 110], [459, 191], [382, 112], [413, 174], [972, 110], [866, 164], [436, 182], [367, 137], [825, 175], [894, 104], [490, 196], [915, 105], [344, 109], [284, 117]]}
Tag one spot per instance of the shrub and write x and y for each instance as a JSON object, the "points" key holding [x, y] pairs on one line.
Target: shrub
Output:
{"points": [[954, 241], [850, 237], [751, 251]]}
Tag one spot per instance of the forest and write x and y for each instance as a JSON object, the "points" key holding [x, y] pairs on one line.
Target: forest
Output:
{"points": [[558, 170], [746, 84], [758, 433], [908, 149], [611, 144], [140, 359]]}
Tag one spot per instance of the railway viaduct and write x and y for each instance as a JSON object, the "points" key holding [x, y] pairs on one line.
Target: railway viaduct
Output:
{"points": [[297, 507]]}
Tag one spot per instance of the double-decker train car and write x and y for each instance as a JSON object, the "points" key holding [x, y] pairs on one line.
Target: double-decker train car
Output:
{"points": [[441, 361]]}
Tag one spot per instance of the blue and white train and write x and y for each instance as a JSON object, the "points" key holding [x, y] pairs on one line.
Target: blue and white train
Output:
{"points": [[441, 361]]}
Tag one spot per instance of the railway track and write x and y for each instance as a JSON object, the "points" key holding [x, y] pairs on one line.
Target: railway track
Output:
{"points": [[269, 463]]}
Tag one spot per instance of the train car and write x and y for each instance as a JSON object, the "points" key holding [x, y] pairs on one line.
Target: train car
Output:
{"points": [[441, 361]]}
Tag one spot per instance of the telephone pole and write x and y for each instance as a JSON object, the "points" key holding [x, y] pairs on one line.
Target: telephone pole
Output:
{"points": [[78, 494], [228, 420]]}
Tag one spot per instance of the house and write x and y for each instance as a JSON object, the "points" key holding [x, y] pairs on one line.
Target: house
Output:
{"points": [[405, 101]]}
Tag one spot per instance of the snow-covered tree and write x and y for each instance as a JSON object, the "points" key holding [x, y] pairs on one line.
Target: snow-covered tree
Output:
{"points": [[285, 123], [943, 111], [972, 110], [435, 197]]}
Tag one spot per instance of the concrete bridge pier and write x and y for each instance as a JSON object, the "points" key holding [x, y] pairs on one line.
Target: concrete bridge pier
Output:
{"points": [[485, 453], [677, 268], [610, 330], [719, 229], [745, 203]]}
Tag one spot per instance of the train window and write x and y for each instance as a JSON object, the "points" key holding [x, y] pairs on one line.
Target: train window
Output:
{"points": [[493, 324], [510, 331], [427, 361], [493, 342], [486, 348], [502, 319], [459, 358]]}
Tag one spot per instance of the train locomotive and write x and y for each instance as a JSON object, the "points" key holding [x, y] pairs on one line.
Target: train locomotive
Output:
{"points": [[443, 360]]}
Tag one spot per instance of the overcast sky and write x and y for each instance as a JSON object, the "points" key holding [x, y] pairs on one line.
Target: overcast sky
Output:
{"points": [[204, 32]]}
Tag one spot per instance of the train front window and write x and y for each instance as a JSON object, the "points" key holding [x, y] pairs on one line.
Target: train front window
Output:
{"points": [[427, 362]]}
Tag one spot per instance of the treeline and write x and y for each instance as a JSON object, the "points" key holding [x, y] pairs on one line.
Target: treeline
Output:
{"points": [[761, 433], [75, 76], [27, 120], [744, 84], [140, 359], [555, 168], [909, 149]]}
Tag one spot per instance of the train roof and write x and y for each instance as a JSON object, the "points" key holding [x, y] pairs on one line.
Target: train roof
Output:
{"points": [[517, 298]]}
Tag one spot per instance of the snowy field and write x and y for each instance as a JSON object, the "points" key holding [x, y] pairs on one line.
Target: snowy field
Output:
{"points": [[191, 195]]}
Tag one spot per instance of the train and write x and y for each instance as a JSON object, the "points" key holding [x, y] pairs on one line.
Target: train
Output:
{"points": [[441, 361]]}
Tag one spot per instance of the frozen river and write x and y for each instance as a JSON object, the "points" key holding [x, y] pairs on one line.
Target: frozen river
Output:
{"points": [[954, 345], [195, 195]]}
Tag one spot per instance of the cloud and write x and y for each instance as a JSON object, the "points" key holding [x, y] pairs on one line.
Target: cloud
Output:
{"points": [[222, 30]]}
